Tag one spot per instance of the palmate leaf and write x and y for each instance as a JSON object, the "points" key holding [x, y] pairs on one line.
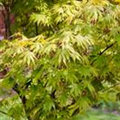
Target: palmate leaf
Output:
{"points": [[63, 99], [50, 47], [90, 87], [36, 48], [17, 49], [65, 12], [76, 89], [83, 41], [100, 60], [81, 104], [94, 12], [42, 5], [69, 76], [28, 58], [41, 19], [65, 54], [87, 70], [48, 104], [18, 110]]}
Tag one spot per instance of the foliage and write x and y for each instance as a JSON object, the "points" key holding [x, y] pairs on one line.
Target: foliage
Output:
{"points": [[71, 65], [91, 114]]}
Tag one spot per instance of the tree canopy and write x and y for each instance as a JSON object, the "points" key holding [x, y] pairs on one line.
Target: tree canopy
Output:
{"points": [[64, 58]]}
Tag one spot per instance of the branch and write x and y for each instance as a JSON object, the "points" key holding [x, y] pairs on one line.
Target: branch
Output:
{"points": [[3, 112], [109, 46]]}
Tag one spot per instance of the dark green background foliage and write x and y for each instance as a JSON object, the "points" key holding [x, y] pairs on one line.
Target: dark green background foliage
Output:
{"points": [[71, 62]]}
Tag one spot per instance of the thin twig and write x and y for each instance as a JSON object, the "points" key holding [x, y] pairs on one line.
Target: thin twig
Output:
{"points": [[3, 112], [109, 46], [6, 114]]}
